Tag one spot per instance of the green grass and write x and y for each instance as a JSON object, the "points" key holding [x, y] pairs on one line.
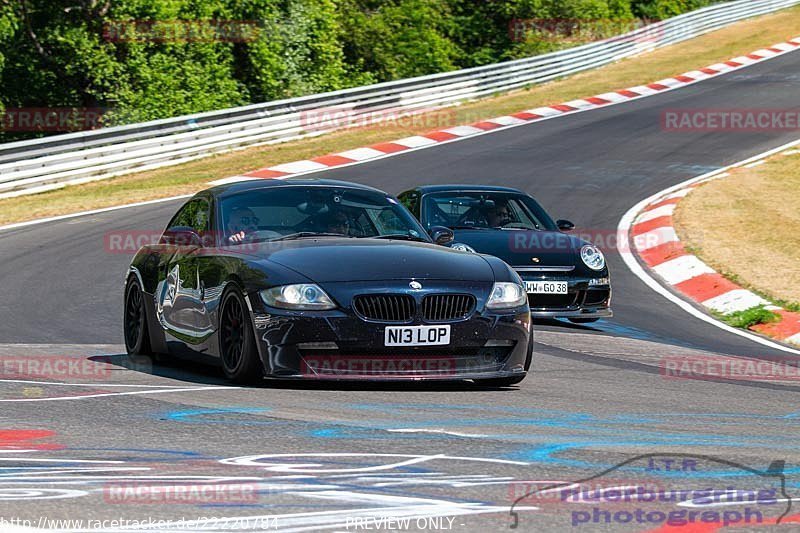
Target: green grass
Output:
{"points": [[749, 317]]}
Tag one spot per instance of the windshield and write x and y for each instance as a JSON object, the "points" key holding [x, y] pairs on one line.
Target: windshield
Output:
{"points": [[281, 213], [484, 210]]}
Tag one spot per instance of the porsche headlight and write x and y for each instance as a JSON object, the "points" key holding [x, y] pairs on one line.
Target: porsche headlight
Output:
{"points": [[461, 247], [507, 295], [592, 257], [300, 297]]}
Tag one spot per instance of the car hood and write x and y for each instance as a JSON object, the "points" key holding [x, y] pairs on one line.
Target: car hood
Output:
{"points": [[520, 247], [339, 260]]}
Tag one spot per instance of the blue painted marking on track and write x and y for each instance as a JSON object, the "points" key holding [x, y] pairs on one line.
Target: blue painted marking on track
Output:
{"points": [[566, 431], [201, 416], [545, 454]]}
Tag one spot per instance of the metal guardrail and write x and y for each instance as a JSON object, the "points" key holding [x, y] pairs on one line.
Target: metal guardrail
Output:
{"points": [[29, 166]]}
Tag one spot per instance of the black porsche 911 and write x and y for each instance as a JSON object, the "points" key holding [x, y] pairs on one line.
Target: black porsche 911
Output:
{"points": [[324, 279], [565, 277]]}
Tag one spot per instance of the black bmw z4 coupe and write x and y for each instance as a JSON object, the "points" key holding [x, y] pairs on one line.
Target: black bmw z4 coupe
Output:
{"points": [[565, 277], [328, 280]]}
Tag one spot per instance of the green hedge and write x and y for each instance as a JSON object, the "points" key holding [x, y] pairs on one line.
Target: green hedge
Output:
{"points": [[62, 53]]}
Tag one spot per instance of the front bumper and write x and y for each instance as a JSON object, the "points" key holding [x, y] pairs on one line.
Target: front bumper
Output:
{"points": [[581, 301], [339, 345], [579, 313]]}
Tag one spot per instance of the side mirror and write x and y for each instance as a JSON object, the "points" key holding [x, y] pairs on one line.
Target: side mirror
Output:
{"points": [[442, 235], [565, 225], [181, 236]]}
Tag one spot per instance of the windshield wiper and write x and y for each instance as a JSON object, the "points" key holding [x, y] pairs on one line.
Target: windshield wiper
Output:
{"points": [[399, 237], [467, 227], [308, 234]]}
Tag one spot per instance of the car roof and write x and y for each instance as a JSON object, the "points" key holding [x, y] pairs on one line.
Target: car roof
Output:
{"points": [[258, 184], [426, 189]]}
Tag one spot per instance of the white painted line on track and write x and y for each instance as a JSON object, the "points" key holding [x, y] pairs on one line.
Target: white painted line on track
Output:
{"points": [[92, 212], [438, 432], [107, 394], [93, 385]]}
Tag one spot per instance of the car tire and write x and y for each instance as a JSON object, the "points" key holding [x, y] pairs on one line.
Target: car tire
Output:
{"points": [[137, 336], [583, 320], [237, 344]]}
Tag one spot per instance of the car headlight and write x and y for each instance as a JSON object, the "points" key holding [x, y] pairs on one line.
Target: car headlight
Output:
{"points": [[461, 247], [300, 297], [507, 295], [592, 257]]}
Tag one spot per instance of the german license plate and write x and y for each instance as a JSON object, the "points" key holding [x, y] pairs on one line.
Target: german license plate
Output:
{"points": [[417, 335], [546, 287]]}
